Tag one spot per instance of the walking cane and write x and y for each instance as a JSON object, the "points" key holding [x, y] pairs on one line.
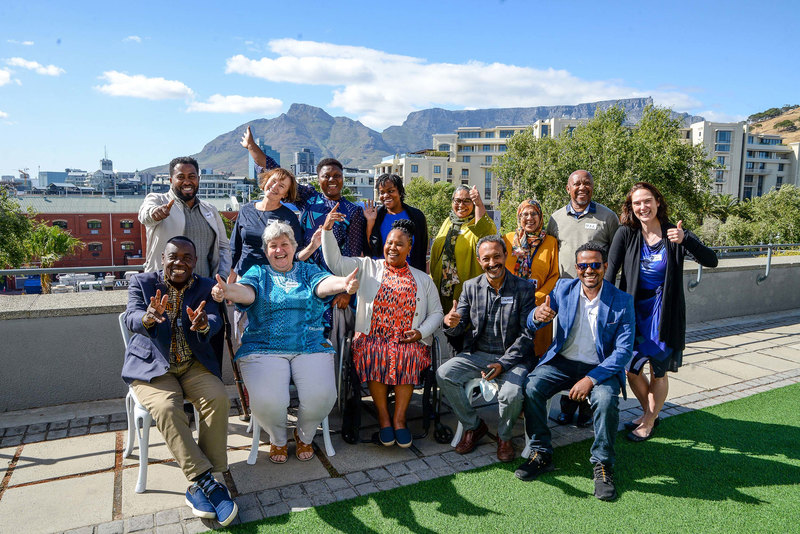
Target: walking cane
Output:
{"points": [[237, 377]]}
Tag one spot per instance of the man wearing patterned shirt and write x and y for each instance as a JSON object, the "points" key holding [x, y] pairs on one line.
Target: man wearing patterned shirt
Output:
{"points": [[314, 207], [169, 359]]}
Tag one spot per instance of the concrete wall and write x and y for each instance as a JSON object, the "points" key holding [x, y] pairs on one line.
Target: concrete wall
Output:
{"points": [[57, 349]]}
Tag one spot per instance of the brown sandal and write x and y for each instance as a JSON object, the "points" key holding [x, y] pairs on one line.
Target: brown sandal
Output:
{"points": [[275, 451], [302, 448]]}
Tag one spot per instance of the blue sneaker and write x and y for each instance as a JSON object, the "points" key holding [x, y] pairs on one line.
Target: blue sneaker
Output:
{"points": [[403, 437], [220, 499], [199, 503]]}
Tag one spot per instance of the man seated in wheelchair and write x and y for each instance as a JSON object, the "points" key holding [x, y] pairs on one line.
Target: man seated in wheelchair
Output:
{"points": [[170, 359], [490, 316]]}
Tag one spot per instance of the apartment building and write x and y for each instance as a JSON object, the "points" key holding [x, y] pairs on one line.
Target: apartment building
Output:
{"points": [[467, 156], [748, 164]]}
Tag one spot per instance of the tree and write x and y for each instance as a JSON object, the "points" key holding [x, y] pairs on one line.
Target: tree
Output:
{"points": [[772, 218], [432, 199], [15, 225], [617, 156], [48, 244]]}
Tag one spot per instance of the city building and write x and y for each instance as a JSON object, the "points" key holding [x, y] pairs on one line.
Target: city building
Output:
{"points": [[467, 156], [266, 149], [748, 164], [304, 162]]}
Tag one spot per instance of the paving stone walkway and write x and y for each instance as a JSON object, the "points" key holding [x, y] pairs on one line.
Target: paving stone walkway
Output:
{"points": [[75, 452]]}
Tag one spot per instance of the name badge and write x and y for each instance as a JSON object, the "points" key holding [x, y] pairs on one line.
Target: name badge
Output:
{"points": [[656, 257], [591, 226], [507, 300]]}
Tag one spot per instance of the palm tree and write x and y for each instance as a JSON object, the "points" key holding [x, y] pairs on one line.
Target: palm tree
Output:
{"points": [[48, 244]]}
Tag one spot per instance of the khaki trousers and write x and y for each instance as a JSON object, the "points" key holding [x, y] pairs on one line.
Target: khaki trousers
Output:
{"points": [[164, 398]]}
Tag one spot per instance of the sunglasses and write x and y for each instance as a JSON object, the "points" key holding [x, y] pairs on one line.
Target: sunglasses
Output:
{"points": [[594, 265]]}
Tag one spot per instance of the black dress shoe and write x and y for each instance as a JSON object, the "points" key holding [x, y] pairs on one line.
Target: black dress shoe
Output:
{"points": [[636, 439], [630, 425], [585, 418]]}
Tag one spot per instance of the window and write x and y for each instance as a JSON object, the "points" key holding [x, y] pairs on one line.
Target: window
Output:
{"points": [[488, 160], [763, 154], [749, 139], [570, 130], [415, 168], [464, 173], [506, 133], [721, 161], [95, 247], [463, 148], [718, 189], [94, 224], [126, 245], [444, 147], [449, 171], [778, 182], [469, 135], [487, 184], [760, 188], [487, 148], [466, 159], [545, 130], [780, 166], [437, 169], [720, 176], [748, 178], [749, 165], [60, 224], [489, 135], [126, 223], [748, 192], [502, 148], [437, 180], [464, 182], [723, 141], [751, 154]]}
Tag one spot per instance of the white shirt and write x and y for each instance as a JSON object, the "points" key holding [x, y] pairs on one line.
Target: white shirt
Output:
{"points": [[580, 344]]}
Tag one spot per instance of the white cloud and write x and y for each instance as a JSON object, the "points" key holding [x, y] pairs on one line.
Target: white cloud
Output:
{"points": [[132, 39], [381, 88], [238, 104], [23, 43], [717, 116], [49, 70], [3, 115], [140, 86], [5, 77]]}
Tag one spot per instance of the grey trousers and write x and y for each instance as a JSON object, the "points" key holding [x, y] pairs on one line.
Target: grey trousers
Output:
{"points": [[454, 374]]}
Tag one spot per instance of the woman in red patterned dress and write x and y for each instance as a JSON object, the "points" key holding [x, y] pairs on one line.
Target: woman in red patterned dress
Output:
{"points": [[397, 312]]}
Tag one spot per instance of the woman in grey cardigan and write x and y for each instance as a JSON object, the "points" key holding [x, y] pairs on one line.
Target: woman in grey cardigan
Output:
{"points": [[397, 312]]}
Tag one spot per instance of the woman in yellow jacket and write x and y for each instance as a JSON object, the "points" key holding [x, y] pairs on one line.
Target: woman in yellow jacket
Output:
{"points": [[533, 255], [453, 257]]}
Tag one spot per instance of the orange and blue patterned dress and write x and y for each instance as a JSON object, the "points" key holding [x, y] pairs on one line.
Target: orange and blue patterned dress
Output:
{"points": [[379, 356]]}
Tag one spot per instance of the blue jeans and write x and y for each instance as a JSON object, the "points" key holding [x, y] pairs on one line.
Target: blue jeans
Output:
{"points": [[559, 374]]}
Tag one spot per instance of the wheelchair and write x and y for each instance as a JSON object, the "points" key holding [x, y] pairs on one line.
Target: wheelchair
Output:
{"points": [[351, 391]]}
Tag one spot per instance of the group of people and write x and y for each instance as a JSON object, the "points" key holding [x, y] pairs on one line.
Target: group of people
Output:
{"points": [[292, 279]]}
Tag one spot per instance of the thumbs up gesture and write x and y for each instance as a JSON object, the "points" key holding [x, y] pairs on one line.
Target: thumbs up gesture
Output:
{"points": [[162, 212], [676, 234], [351, 282], [198, 317], [453, 317], [219, 290], [333, 217], [544, 313]]}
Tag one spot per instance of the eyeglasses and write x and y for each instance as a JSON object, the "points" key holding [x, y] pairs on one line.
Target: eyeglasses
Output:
{"points": [[464, 201], [594, 265]]}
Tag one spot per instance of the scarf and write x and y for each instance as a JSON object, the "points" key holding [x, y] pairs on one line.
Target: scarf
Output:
{"points": [[526, 244], [449, 269]]}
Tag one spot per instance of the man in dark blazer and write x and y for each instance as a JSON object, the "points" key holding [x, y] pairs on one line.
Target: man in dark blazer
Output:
{"points": [[491, 316], [169, 358], [592, 346]]}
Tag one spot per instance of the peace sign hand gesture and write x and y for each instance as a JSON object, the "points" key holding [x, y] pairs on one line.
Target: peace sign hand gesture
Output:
{"points": [[198, 317], [155, 311]]}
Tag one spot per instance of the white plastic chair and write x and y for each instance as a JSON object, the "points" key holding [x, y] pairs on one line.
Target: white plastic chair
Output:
{"points": [[139, 421]]}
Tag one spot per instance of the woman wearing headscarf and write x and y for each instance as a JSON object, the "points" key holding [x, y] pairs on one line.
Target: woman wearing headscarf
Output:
{"points": [[534, 257], [453, 259]]}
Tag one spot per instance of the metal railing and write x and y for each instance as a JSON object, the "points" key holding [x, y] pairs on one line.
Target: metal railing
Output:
{"points": [[746, 251]]}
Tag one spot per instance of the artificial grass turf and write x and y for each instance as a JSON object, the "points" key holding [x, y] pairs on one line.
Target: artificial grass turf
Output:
{"points": [[734, 467]]}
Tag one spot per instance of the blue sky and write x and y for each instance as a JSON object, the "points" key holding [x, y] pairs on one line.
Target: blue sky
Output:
{"points": [[153, 80]]}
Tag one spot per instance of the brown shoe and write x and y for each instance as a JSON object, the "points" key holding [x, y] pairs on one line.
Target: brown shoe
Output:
{"points": [[505, 451], [471, 438]]}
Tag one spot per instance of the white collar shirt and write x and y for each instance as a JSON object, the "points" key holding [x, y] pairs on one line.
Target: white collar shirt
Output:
{"points": [[580, 344]]}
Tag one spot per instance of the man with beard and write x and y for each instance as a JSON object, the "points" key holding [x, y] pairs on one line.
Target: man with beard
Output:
{"points": [[180, 212], [592, 347], [491, 313]]}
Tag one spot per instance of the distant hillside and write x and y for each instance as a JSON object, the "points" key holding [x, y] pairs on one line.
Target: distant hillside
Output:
{"points": [[768, 126], [356, 145]]}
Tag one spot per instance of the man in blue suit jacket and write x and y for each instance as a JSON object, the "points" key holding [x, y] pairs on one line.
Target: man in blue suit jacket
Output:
{"points": [[592, 346], [170, 358]]}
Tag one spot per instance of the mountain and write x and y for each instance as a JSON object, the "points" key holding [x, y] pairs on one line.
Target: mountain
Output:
{"points": [[356, 145], [787, 125]]}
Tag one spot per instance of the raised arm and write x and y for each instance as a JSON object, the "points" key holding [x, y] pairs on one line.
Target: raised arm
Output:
{"points": [[333, 285], [238, 293], [261, 160], [475, 196]]}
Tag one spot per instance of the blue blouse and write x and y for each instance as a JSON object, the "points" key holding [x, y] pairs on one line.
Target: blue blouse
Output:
{"points": [[286, 315], [247, 248], [653, 266]]}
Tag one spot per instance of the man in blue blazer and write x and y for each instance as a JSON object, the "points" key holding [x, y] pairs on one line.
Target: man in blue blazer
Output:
{"points": [[592, 346], [169, 358]]}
